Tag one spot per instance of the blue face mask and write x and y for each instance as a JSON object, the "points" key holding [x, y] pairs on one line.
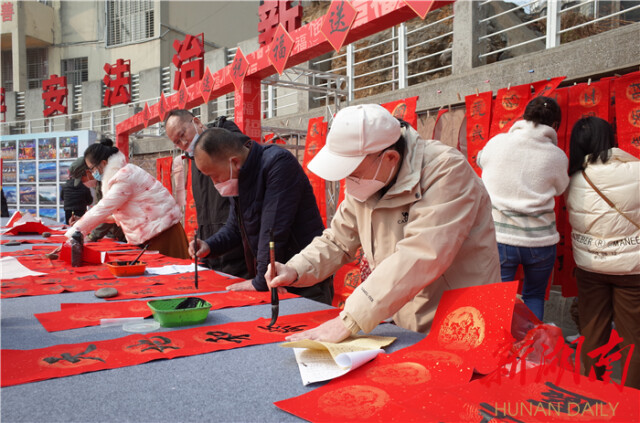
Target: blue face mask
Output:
{"points": [[96, 175]]}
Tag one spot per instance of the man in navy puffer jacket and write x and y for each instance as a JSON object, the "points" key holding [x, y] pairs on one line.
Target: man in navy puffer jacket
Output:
{"points": [[268, 190]]}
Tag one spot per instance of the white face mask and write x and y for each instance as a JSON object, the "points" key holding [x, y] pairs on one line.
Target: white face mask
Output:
{"points": [[362, 189], [228, 188], [194, 140]]}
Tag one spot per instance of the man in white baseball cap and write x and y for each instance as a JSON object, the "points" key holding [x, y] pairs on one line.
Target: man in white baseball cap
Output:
{"points": [[420, 213]]}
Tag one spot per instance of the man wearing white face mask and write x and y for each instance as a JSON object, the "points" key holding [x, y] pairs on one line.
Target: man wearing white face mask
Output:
{"points": [[419, 211], [212, 209], [268, 191]]}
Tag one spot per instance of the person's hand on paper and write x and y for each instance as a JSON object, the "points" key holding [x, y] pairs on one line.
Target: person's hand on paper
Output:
{"points": [[203, 249], [330, 331], [241, 286]]}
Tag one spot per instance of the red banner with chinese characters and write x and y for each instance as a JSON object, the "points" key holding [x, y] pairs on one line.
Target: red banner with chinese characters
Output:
{"points": [[588, 100], [188, 60], [79, 315], [118, 88], [478, 108], [316, 138], [404, 109], [508, 108], [163, 172], [275, 13], [72, 359], [628, 112], [190, 215]]}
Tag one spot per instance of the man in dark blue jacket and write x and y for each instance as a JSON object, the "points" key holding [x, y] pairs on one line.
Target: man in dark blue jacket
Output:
{"points": [[269, 191]]}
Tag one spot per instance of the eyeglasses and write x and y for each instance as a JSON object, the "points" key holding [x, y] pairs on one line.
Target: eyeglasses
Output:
{"points": [[91, 168]]}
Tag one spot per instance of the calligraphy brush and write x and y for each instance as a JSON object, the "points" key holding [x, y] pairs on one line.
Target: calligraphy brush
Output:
{"points": [[139, 255], [275, 302], [195, 256]]}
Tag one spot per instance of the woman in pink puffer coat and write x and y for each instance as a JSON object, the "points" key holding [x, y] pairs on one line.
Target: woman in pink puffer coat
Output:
{"points": [[137, 202]]}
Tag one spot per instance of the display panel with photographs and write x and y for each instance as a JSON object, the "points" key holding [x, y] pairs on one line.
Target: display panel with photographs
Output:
{"points": [[48, 194], [27, 171], [68, 147], [26, 149], [47, 171], [8, 149], [10, 193], [46, 148], [50, 213], [27, 194], [8, 172], [63, 168]]}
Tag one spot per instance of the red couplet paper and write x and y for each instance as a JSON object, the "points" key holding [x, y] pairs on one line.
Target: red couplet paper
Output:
{"points": [[588, 100], [28, 227], [163, 171], [72, 359], [316, 138], [404, 109], [478, 108], [508, 107], [56, 239], [628, 112], [79, 315]]}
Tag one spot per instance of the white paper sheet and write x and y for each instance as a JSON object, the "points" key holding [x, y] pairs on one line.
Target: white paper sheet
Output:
{"points": [[173, 269], [11, 268], [319, 365]]}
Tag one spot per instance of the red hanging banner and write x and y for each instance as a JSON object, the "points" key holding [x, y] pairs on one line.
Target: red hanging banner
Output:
{"points": [[280, 49], [190, 215], [316, 138], [72, 359], [588, 100], [163, 172], [508, 107], [478, 108], [628, 112], [404, 109]]}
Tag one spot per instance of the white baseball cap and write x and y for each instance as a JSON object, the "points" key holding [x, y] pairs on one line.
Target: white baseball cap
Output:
{"points": [[356, 132]]}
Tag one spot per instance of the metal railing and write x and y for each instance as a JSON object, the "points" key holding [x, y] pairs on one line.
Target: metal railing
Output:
{"points": [[508, 30]]}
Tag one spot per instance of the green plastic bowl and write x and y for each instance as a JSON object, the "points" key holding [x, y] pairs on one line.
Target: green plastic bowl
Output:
{"points": [[165, 313]]}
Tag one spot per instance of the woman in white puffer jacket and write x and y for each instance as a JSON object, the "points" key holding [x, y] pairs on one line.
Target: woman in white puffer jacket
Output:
{"points": [[139, 204], [603, 201]]}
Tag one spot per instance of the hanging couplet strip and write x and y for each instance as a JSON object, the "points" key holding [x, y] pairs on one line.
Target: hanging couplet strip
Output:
{"points": [[238, 69], [337, 22], [545, 88], [183, 96], [478, 123], [163, 172], [280, 49], [190, 215], [628, 112], [508, 107], [588, 100], [72, 359], [206, 85], [404, 109], [163, 107], [316, 138]]}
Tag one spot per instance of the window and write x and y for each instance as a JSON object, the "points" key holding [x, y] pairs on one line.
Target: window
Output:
{"points": [[76, 70], [129, 21], [7, 70], [37, 67]]}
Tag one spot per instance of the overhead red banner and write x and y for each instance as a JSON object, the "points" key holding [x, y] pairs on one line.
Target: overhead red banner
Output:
{"points": [[316, 138], [404, 109], [238, 69], [508, 108], [280, 49], [478, 108], [628, 112], [72, 359], [337, 22]]}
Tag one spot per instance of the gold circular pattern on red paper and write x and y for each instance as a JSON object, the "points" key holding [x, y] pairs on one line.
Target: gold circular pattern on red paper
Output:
{"points": [[357, 402], [634, 117], [435, 358], [400, 111], [399, 374], [590, 96], [633, 91], [463, 329], [510, 101], [94, 315]]}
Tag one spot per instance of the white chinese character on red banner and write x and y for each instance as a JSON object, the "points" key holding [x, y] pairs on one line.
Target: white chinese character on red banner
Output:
{"points": [[274, 12], [7, 11], [118, 88], [54, 94], [189, 60]]}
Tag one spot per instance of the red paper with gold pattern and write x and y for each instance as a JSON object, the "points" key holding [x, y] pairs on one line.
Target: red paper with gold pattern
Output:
{"points": [[546, 87], [404, 109], [588, 100], [508, 108], [163, 171], [79, 315], [316, 138], [72, 359], [627, 90], [190, 215], [478, 108], [337, 22]]}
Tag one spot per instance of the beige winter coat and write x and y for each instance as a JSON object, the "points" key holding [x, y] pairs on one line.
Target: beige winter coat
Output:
{"points": [[141, 206], [603, 241], [432, 231]]}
